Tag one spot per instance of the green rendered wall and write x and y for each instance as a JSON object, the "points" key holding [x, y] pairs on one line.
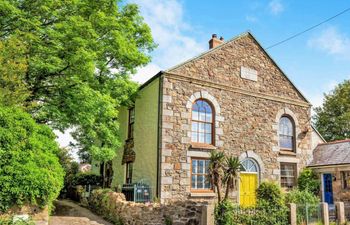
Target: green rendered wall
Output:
{"points": [[118, 168], [145, 138]]}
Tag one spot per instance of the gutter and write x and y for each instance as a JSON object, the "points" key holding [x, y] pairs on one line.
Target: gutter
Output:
{"points": [[159, 135]]}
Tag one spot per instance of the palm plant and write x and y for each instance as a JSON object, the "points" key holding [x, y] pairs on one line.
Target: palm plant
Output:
{"points": [[232, 168], [215, 171]]}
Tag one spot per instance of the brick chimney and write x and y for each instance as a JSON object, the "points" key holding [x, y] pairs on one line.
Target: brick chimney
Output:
{"points": [[214, 41]]}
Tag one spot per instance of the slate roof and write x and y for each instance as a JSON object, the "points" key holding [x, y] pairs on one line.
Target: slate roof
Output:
{"points": [[331, 153]]}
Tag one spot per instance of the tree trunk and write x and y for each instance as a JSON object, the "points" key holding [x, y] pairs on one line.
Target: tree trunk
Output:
{"points": [[227, 189], [218, 187]]}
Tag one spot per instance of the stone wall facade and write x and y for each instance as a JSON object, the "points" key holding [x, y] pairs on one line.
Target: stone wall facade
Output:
{"points": [[247, 114], [113, 207]]}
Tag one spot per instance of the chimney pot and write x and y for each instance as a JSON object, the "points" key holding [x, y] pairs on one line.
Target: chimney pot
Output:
{"points": [[214, 41]]}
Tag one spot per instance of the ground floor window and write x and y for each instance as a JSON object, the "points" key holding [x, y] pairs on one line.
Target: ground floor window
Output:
{"points": [[288, 175], [345, 177], [199, 176], [128, 179]]}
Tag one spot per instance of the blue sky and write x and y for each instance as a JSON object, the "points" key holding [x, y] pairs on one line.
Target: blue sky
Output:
{"points": [[315, 61]]}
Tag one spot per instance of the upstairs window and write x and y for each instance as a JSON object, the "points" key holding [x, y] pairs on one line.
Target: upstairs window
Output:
{"points": [[286, 134], [131, 123], [202, 122], [288, 175]]}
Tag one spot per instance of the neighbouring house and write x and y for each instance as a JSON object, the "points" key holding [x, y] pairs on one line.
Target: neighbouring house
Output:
{"points": [[232, 98], [84, 167], [331, 161]]}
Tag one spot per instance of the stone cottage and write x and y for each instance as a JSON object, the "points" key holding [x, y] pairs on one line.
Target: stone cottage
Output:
{"points": [[331, 161], [232, 98]]}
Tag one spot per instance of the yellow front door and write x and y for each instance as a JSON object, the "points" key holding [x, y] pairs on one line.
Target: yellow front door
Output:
{"points": [[247, 189]]}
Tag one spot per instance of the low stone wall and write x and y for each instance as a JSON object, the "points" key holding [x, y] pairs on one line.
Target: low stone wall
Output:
{"points": [[115, 208]]}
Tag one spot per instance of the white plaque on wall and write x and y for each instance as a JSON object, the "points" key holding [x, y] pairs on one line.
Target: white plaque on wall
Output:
{"points": [[249, 74]]}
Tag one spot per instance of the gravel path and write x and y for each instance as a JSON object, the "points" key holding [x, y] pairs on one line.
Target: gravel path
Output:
{"points": [[69, 213]]}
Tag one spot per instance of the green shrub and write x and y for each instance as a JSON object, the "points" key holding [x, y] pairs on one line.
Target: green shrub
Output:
{"points": [[30, 172], [307, 203], [87, 179], [301, 197], [9, 221], [309, 181], [269, 192], [224, 213]]}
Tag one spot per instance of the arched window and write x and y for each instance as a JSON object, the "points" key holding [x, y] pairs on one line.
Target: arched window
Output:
{"points": [[249, 165], [286, 133], [202, 122]]}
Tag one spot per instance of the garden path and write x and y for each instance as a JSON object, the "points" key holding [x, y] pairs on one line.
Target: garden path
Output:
{"points": [[69, 213]]}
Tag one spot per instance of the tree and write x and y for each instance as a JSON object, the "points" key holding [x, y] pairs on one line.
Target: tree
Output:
{"points": [[308, 181], [75, 59], [216, 161], [70, 167], [223, 171], [332, 119], [232, 168], [30, 172]]}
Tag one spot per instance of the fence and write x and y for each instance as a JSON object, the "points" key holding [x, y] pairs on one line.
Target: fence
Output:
{"points": [[309, 214], [294, 215], [137, 192]]}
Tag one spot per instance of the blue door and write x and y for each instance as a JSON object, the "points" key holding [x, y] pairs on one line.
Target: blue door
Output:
{"points": [[327, 187]]}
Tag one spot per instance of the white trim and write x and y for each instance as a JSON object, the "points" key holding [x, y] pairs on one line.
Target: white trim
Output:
{"points": [[284, 159], [322, 188], [200, 154], [203, 194]]}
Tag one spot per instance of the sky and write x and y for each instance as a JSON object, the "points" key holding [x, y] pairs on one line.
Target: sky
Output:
{"points": [[315, 61]]}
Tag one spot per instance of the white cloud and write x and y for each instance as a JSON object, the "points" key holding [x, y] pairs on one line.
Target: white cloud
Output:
{"points": [[168, 25], [316, 99], [145, 73], [332, 42], [276, 7]]}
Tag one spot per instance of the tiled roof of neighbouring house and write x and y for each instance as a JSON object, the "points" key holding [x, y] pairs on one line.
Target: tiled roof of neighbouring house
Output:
{"points": [[331, 153]]}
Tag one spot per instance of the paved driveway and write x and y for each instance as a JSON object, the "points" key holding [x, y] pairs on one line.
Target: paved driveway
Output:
{"points": [[69, 213]]}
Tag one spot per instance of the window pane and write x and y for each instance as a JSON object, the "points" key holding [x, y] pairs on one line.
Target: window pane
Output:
{"points": [[207, 128], [195, 115], [200, 182], [208, 117], [286, 142], [194, 166], [207, 183], [201, 137], [193, 181], [194, 137], [201, 166], [208, 138], [202, 116], [201, 127]]}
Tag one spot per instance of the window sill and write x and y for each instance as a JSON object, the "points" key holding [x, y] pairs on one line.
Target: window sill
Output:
{"points": [[202, 146], [203, 194], [287, 152]]}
